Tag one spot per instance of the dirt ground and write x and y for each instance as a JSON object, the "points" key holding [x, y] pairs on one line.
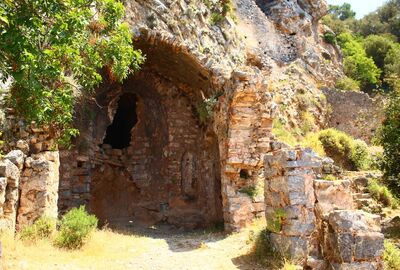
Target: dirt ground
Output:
{"points": [[137, 249]]}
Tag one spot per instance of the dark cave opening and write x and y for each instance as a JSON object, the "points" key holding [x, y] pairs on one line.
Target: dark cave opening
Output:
{"points": [[118, 134]]}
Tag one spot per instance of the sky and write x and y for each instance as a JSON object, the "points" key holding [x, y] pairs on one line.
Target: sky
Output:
{"points": [[361, 7]]}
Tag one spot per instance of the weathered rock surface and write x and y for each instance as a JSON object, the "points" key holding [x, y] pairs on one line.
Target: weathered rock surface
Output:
{"points": [[9, 191], [39, 188]]}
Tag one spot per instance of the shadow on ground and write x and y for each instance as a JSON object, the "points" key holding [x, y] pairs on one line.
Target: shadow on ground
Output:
{"points": [[178, 239]]}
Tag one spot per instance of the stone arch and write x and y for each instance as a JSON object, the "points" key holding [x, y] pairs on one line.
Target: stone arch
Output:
{"points": [[169, 171]]}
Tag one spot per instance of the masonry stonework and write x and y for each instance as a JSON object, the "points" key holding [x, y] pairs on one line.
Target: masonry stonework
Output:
{"points": [[313, 221]]}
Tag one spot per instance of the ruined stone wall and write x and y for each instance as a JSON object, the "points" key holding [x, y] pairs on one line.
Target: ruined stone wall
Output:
{"points": [[169, 172], [312, 220], [355, 113], [28, 188]]}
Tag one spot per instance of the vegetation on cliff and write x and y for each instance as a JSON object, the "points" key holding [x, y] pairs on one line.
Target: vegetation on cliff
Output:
{"points": [[370, 45], [56, 51]]}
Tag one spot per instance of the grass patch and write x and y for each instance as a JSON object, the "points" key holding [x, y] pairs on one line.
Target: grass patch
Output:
{"points": [[329, 177], [42, 228], [282, 133], [307, 121], [382, 194], [264, 252], [104, 249], [391, 256]]}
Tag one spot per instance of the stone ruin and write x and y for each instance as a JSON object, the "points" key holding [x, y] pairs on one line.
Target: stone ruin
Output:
{"points": [[182, 140], [318, 225]]}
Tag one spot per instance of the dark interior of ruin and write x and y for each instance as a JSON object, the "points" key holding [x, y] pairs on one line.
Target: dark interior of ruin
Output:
{"points": [[118, 134]]}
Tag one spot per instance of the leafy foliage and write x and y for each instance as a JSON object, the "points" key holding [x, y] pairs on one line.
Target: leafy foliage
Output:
{"points": [[42, 228], [344, 150], [75, 227], [357, 65], [385, 20], [205, 108], [342, 12], [370, 45], [347, 84], [276, 220], [54, 51], [330, 37], [382, 194], [390, 140], [391, 256], [377, 47]]}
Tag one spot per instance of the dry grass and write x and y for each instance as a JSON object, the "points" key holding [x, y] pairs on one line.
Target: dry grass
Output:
{"points": [[108, 250], [103, 251]]}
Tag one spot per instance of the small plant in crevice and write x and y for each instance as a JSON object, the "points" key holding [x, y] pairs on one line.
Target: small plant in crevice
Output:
{"points": [[216, 18], [220, 10], [276, 220], [205, 108], [251, 190], [330, 37]]}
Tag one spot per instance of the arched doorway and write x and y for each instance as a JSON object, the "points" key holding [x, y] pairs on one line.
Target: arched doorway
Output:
{"points": [[156, 163]]}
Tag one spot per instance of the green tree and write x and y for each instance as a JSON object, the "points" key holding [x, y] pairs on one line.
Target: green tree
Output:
{"points": [[56, 50], [357, 65], [385, 20], [392, 63], [390, 139], [377, 47], [342, 12]]}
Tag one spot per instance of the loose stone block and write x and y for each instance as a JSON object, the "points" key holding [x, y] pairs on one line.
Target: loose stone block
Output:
{"points": [[332, 195], [9, 170], [368, 246], [354, 221]]}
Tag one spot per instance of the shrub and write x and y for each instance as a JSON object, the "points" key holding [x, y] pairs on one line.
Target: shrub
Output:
{"points": [[311, 140], [75, 227], [265, 252], [205, 108], [344, 150], [42, 228], [391, 256], [348, 84], [382, 194], [330, 37], [390, 140], [216, 18], [360, 155]]}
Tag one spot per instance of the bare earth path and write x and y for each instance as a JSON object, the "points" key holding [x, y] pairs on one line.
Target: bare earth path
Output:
{"points": [[147, 249]]}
